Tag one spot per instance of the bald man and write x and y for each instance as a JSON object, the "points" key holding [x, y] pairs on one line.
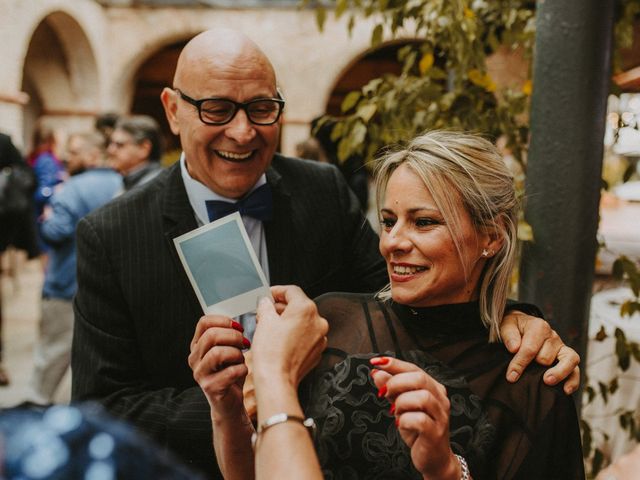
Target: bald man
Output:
{"points": [[135, 311]]}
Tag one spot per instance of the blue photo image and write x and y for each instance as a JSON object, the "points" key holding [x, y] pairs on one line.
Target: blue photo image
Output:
{"points": [[220, 263]]}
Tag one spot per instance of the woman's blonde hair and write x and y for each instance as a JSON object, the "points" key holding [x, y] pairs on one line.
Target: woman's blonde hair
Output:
{"points": [[456, 166]]}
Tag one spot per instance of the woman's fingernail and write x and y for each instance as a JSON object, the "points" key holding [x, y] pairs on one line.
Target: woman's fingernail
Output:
{"points": [[382, 392], [237, 326], [551, 379], [513, 376], [246, 342], [379, 361], [392, 409], [373, 371]]}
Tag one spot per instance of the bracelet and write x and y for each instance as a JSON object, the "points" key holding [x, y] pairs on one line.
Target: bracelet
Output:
{"points": [[279, 418], [464, 473]]}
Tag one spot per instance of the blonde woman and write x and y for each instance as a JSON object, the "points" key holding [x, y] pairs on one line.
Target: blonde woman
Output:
{"points": [[412, 382]]}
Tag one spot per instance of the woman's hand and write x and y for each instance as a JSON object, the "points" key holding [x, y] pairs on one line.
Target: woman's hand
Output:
{"points": [[217, 363], [421, 408], [290, 336]]}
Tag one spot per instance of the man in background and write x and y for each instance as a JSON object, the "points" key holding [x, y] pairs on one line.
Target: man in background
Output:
{"points": [[135, 149], [78, 196]]}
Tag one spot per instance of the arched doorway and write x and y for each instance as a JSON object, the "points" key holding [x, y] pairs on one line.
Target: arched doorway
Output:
{"points": [[372, 64], [152, 76], [60, 75]]}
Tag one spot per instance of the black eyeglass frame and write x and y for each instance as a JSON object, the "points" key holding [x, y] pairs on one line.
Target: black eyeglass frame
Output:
{"points": [[237, 106]]}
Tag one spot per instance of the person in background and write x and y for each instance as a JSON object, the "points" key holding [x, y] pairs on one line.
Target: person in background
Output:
{"points": [[17, 185], [135, 149], [135, 311], [311, 150], [105, 123], [48, 168], [78, 196]]}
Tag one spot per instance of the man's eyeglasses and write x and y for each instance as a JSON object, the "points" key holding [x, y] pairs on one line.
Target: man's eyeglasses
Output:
{"points": [[219, 111]]}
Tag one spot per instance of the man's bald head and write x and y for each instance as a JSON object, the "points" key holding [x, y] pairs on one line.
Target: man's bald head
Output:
{"points": [[222, 48], [225, 66]]}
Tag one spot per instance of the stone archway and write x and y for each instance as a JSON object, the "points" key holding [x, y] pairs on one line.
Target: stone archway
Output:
{"points": [[151, 77], [371, 64], [60, 74]]}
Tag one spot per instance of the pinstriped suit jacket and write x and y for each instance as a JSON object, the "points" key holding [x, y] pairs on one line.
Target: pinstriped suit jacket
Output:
{"points": [[135, 311]]}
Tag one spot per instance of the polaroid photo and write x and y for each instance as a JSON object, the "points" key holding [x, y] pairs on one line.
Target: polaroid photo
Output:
{"points": [[223, 267]]}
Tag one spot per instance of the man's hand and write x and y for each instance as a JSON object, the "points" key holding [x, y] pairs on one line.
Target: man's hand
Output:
{"points": [[533, 338]]}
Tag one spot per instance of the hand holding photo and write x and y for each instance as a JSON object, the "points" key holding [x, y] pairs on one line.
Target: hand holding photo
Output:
{"points": [[222, 267]]}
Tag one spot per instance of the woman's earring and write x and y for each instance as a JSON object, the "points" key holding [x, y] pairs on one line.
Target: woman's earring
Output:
{"points": [[486, 253]]}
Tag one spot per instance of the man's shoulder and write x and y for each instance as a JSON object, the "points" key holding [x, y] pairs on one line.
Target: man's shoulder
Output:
{"points": [[300, 166], [143, 199]]}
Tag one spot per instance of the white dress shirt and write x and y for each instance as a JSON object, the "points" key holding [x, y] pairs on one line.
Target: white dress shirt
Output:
{"points": [[198, 194]]}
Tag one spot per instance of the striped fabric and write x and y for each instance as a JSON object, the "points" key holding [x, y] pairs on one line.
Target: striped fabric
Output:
{"points": [[135, 311]]}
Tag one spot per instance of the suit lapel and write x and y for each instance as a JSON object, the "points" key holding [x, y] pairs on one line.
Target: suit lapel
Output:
{"points": [[278, 232], [178, 217]]}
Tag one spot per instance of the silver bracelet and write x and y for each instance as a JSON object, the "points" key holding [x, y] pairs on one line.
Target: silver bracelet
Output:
{"points": [[464, 468], [279, 418]]}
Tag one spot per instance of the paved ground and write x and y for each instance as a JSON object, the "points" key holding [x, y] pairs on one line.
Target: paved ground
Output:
{"points": [[21, 312]]}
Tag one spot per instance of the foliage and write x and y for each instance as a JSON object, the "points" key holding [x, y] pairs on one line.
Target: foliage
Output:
{"points": [[444, 84], [444, 81]]}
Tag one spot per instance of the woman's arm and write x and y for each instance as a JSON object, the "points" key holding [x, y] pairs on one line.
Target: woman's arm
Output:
{"points": [[286, 346], [218, 366]]}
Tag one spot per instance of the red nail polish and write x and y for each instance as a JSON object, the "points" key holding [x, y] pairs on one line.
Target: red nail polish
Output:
{"points": [[237, 326], [246, 342], [379, 361], [373, 371], [397, 422], [382, 392], [392, 409]]}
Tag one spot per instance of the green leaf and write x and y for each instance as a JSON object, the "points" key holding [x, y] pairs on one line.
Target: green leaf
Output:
{"points": [[365, 112], [321, 17], [350, 101], [358, 135], [635, 351], [371, 87], [613, 386], [601, 335], [336, 132], [622, 351], [604, 391], [618, 268], [586, 438], [376, 36], [591, 393], [351, 24], [341, 6], [598, 459]]}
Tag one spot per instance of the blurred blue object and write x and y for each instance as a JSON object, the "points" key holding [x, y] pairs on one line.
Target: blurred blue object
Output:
{"points": [[78, 442]]}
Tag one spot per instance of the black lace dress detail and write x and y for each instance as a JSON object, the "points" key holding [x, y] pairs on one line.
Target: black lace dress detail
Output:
{"points": [[526, 430]]}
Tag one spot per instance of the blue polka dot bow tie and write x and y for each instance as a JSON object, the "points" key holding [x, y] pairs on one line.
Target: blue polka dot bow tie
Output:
{"points": [[258, 204]]}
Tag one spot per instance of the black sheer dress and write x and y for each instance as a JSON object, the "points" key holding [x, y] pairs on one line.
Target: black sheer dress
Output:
{"points": [[525, 430]]}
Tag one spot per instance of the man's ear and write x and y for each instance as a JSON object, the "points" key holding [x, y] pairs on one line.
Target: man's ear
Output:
{"points": [[170, 104]]}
